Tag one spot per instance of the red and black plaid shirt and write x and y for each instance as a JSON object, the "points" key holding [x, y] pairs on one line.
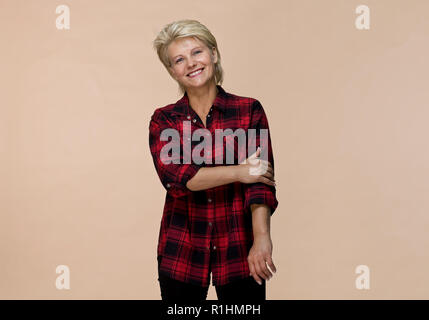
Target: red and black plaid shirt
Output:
{"points": [[208, 230]]}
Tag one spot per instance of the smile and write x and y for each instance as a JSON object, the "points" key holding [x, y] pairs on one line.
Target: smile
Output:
{"points": [[195, 73]]}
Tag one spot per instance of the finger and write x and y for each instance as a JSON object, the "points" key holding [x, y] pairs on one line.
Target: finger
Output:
{"points": [[259, 270], [270, 264], [251, 268], [270, 170], [253, 272], [269, 175], [256, 154], [264, 269], [270, 166], [257, 265], [253, 156], [266, 181]]}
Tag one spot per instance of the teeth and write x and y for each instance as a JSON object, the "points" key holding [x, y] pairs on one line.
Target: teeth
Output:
{"points": [[196, 72]]}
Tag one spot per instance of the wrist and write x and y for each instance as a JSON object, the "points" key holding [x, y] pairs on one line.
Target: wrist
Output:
{"points": [[234, 173], [261, 234]]}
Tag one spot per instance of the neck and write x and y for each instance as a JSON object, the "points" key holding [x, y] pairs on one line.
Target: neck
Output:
{"points": [[201, 99]]}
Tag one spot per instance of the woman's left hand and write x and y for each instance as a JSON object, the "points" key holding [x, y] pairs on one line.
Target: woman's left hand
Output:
{"points": [[259, 257]]}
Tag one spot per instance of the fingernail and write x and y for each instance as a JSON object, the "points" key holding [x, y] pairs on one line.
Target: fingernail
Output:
{"points": [[260, 283]]}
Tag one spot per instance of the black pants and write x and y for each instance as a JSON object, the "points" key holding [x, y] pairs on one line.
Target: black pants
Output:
{"points": [[245, 290]]}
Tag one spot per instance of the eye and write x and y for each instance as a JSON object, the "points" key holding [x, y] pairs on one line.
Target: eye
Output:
{"points": [[180, 59]]}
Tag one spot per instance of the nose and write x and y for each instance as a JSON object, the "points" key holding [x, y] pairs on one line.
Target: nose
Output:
{"points": [[191, 63]]}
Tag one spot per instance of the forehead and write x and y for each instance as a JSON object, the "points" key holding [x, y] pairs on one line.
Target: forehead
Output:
{"points": [[182, 45]]}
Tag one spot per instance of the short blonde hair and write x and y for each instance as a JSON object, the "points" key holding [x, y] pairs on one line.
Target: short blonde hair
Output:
{"points": [[183, 29]]}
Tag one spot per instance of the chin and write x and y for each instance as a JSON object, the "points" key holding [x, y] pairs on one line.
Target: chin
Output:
{"points": [[200, 83]]}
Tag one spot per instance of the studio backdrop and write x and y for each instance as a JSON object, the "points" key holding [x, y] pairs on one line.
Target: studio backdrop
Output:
{"points": [[344, 85]]}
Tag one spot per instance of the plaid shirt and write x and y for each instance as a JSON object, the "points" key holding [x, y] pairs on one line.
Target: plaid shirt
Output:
{"points": [[208, 230]]}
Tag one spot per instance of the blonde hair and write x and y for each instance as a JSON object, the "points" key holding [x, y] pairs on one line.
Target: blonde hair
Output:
{"points": [[182, 29]]}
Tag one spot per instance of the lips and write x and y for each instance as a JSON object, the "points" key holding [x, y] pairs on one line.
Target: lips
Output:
{"points": [[189, 74]]}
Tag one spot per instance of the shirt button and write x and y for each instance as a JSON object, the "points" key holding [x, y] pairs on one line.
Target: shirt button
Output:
{"points": [[188, 117], [208, 116], [209, 199], [211, 109], [168, 185], [194, 120], [214, 247], [210, 224]]}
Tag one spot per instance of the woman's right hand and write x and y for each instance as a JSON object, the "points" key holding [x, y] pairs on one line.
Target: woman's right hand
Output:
{"points": [[254, 170]]}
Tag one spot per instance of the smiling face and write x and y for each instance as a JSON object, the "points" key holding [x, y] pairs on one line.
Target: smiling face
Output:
{"points": [[192, 63]]}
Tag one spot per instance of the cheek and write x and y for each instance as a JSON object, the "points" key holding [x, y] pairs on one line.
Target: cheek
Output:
{"points": [[180, 72], [208, 60]]}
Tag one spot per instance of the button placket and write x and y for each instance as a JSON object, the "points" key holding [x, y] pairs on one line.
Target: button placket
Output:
{"points": [[210, 223], [189, 118]]}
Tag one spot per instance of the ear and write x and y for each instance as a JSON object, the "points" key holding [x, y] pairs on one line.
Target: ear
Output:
{"points": [[214, 53]]}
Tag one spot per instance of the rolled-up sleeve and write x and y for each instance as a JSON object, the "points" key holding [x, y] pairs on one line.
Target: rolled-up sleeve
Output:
{"points": [[173, 176], [260, 193]]}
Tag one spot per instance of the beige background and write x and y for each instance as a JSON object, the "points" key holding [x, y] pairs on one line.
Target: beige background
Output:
{"points": [[348, 112]]}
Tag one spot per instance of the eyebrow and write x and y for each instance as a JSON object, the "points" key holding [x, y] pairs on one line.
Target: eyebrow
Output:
{"points": [[199, 47]]}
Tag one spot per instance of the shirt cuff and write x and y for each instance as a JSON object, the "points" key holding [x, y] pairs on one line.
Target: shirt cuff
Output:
{"points": [[178, 187], [260, 193]]}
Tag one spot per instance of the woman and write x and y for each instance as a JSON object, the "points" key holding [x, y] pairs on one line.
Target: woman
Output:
{"points": [[216, 216]]}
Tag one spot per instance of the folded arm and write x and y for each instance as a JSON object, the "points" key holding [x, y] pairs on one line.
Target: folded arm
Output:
{"points": [[180, 179]]}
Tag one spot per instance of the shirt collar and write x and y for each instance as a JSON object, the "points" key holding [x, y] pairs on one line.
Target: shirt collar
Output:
{"points": [[181, 106]]}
